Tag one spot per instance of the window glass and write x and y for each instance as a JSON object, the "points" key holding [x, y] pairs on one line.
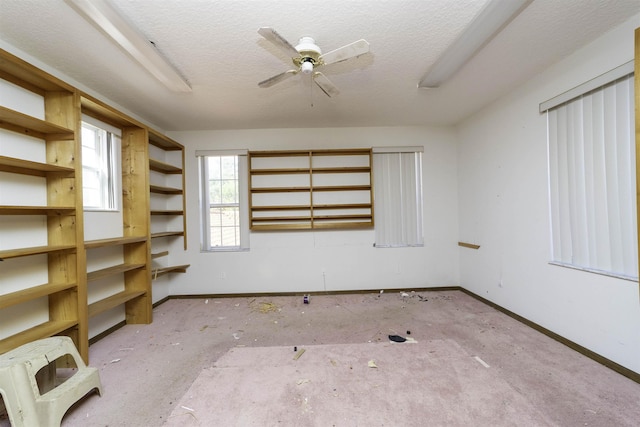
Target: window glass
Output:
{"points": [[99, 180], [223, 203]]}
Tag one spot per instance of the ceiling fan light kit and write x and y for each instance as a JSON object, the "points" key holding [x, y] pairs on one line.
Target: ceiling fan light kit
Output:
{"points": [[307, 57]]}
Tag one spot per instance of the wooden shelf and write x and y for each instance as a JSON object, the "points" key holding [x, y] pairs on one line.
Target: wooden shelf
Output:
{"points": [[353, 169], [284, 171], [167, 234], [295, 171], [344, 206], [165, 190], [28, 294], [31, 126], [92, 244], [110, 271], [27, 167], [344, 225], [341, 217], [281, 219], [43, 330], [167, 212], [274, 227], [468, 245], [103, 112], [343, 188], [162, 141], [159, 254], [280, 189], [23, 74], [36, 250], [37, 210], [321, 152], [281, 208], [158, 166], [282, 153], [113, 301], [166, 270]]}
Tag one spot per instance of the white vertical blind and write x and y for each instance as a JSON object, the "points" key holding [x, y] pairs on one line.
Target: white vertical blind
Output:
{"points": [[398, 198], [592, 180]]}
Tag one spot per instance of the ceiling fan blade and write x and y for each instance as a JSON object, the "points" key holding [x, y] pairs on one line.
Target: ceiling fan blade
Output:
{"points": [[272, 35], [325, 84], [343, 53], [277, 78]]}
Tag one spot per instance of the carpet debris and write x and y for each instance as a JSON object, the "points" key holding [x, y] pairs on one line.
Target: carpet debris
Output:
{"points": [[267, 307], [372, 364], [298, 354], [397, 338]]}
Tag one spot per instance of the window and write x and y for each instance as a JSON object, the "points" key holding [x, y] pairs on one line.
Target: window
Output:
{"points": [[223, 200], [592, 180], [397, 175], [100, 182]]}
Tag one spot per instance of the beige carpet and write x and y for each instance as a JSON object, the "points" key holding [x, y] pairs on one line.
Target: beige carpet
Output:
{"points": [[372, 384]]}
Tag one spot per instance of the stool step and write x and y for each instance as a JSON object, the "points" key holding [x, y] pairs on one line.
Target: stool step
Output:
{"points": [[77, 386], [19, 388]]}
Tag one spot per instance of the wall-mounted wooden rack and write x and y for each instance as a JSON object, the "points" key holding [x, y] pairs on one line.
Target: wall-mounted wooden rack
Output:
{"points": [[307, 189]]}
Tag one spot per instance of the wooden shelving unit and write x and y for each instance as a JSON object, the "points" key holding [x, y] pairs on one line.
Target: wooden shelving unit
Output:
{"points": [[167, 194], [59, 133], [319, 190], [65, 261]]}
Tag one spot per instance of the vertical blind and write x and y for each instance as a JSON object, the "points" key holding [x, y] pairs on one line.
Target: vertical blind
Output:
{"points": [[398, 196], [592, 180]]}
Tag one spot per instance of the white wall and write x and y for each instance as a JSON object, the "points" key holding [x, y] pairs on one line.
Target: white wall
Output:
{"points": [[502, 164], [308, 261]]}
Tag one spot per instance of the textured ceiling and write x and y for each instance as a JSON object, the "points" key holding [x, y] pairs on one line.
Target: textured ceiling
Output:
{"points": [[215, 45]]}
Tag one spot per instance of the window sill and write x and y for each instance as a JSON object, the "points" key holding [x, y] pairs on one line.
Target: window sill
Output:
{"points": [[216, 250], [595, 271]]}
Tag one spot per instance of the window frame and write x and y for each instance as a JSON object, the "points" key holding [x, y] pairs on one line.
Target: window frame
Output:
{"points": [[108, 143], [206, 245], [399, 215]]}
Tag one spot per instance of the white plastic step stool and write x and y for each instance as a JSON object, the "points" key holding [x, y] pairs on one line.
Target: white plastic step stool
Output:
{"points": [[19, 388]]}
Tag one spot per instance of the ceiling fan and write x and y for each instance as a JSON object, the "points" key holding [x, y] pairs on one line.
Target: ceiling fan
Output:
{"points": [[307, 58]]}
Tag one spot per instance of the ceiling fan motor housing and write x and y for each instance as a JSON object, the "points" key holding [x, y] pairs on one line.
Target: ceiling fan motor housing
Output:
{"points": [[309, 55]]}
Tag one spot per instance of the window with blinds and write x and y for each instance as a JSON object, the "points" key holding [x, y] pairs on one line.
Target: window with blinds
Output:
{"points": [[592, 191]]}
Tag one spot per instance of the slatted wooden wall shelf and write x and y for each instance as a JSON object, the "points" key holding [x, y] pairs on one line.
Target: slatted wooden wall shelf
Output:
{"points": [[342, 177]]}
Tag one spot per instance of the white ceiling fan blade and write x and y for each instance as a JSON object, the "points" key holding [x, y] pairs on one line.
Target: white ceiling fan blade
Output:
{"points": [[325, 84], [343, 53], [272, 35], [277, 78]]}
